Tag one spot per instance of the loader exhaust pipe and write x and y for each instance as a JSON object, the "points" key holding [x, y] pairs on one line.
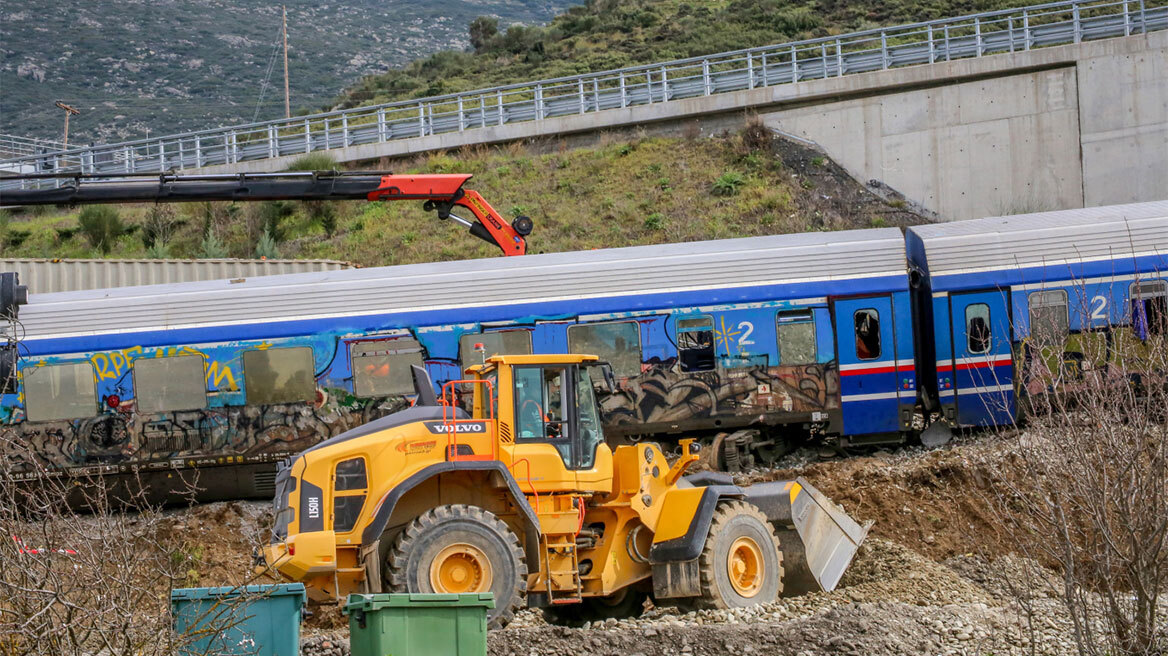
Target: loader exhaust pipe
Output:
{"points": [[818, 538]]}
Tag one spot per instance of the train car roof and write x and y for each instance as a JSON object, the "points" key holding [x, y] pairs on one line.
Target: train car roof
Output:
{"points": [[1037, 246], [641, 270]]}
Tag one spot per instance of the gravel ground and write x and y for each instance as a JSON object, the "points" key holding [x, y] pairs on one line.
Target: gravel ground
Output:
{"points": [[892, 601]]}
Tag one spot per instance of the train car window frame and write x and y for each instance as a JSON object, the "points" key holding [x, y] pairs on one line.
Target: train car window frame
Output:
{"points": [[349, 492], [1152, 295], [871, 348], [696, 353], [485, 336], [251, 384], [172, 378], [792, 319], [391, 354], [1046, 300], [622, 367], [78, 408], [980, 343]]}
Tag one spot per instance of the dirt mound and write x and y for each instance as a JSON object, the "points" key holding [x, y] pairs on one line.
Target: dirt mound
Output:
{"points": [[933, 502]]}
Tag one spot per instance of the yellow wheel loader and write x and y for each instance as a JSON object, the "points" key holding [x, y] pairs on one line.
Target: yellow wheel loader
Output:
{"points": [[521, 496]]}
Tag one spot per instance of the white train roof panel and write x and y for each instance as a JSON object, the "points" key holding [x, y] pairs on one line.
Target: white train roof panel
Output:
{"points": [[806, 257], [1045, 238]]}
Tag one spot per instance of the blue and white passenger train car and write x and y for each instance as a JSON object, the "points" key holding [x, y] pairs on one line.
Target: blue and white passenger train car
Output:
{"points": [[1003, 289], [858, 336], [792, 333]]}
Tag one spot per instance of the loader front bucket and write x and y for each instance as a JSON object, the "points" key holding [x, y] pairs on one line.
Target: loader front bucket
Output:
{"points": [[818, 538]]}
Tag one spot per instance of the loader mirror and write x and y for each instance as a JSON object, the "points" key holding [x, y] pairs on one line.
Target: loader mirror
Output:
{"points": [[606, 372], [423, 387]]}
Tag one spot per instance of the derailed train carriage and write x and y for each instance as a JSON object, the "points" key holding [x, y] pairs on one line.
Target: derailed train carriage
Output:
{"points": [[852, 337]]}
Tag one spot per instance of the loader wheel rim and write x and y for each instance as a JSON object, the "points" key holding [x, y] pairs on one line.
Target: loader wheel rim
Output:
{"points": [[461, 568], [745, 568]]}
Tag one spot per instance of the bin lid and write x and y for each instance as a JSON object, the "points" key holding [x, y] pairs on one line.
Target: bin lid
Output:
{"points": [[368, 602], [193, 594]]}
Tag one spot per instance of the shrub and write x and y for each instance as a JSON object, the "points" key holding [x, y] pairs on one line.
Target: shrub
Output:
{"points": [[159, 250], [271, 215], [314, 162], [728, 184], [212, 248], [101, 226], [160, 225], [266, 247], [655, 221]]}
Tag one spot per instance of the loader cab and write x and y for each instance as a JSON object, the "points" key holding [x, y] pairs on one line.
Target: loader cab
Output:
{"points": [[549, 417]]}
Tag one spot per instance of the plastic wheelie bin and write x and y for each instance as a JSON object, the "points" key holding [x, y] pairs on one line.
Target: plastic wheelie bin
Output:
{"points": [[402, 624], [263, 620]]}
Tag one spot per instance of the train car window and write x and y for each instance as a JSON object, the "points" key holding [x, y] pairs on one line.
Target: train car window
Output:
{"points": [[279, 375], [695, 344], [351, 474], [977, 328], [1150, 307], [796, 335], [617, 343], [170, 383], [63, 391], [867, 333], [502, 342], [382, 368], [1049, 320]]}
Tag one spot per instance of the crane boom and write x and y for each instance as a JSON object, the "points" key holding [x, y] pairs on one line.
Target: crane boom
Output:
{"points": [[442, 193]]}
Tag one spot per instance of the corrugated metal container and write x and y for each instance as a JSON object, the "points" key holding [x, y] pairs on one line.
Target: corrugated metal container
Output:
{"points": [[44, 276]]}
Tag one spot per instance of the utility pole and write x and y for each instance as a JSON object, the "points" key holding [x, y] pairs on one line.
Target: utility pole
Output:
{"points": [[69, 111], [287, 98]]}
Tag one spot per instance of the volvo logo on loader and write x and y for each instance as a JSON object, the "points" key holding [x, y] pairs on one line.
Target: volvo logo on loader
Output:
{"points": [[470, 427]]}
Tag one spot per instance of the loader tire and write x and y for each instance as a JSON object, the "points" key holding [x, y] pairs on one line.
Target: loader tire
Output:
{"points": [[625, 604], [741, 563], [460, 549]]}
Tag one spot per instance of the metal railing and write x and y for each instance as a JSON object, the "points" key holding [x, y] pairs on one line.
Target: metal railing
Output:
{"points": [[12, 146], [975, 35]]}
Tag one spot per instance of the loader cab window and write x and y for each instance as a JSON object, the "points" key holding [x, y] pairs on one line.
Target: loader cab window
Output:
{"points": [[588, 420], [539, 404], [695, 344], [1149, 308], [546, 411], [349, 488], [867, 334]]}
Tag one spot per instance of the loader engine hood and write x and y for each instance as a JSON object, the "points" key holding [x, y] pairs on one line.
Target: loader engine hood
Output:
{"points": [[402, 418]]}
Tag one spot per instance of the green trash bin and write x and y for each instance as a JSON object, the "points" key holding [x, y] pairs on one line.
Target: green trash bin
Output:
{"points": [[418, 624], [259, 620]]}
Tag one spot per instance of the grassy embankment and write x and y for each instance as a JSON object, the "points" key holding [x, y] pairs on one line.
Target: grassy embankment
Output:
{"points": [[644, 191]]}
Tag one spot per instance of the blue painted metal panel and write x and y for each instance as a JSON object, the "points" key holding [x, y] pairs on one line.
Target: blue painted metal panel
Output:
{"points": [[982, 366]]}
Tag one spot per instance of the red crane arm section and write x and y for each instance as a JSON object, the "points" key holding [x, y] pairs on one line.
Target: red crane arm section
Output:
{"points": [[446, 189]]}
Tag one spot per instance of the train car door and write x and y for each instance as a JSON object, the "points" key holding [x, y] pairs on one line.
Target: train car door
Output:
{"points": [[983, 366], [866, 344]]}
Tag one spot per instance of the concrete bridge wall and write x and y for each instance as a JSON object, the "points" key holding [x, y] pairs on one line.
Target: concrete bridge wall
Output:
{"points": [[1053, 128]]}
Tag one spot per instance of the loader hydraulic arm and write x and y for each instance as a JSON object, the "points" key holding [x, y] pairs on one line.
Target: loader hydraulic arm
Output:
{"points": [[441, 193]]}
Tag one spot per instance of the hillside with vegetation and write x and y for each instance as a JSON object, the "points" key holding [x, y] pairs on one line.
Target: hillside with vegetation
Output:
{"points": [[618, 193], [134, 67], [607, 34]]}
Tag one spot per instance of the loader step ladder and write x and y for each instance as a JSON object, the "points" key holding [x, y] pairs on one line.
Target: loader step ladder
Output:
{"points": [[563, 582]]}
